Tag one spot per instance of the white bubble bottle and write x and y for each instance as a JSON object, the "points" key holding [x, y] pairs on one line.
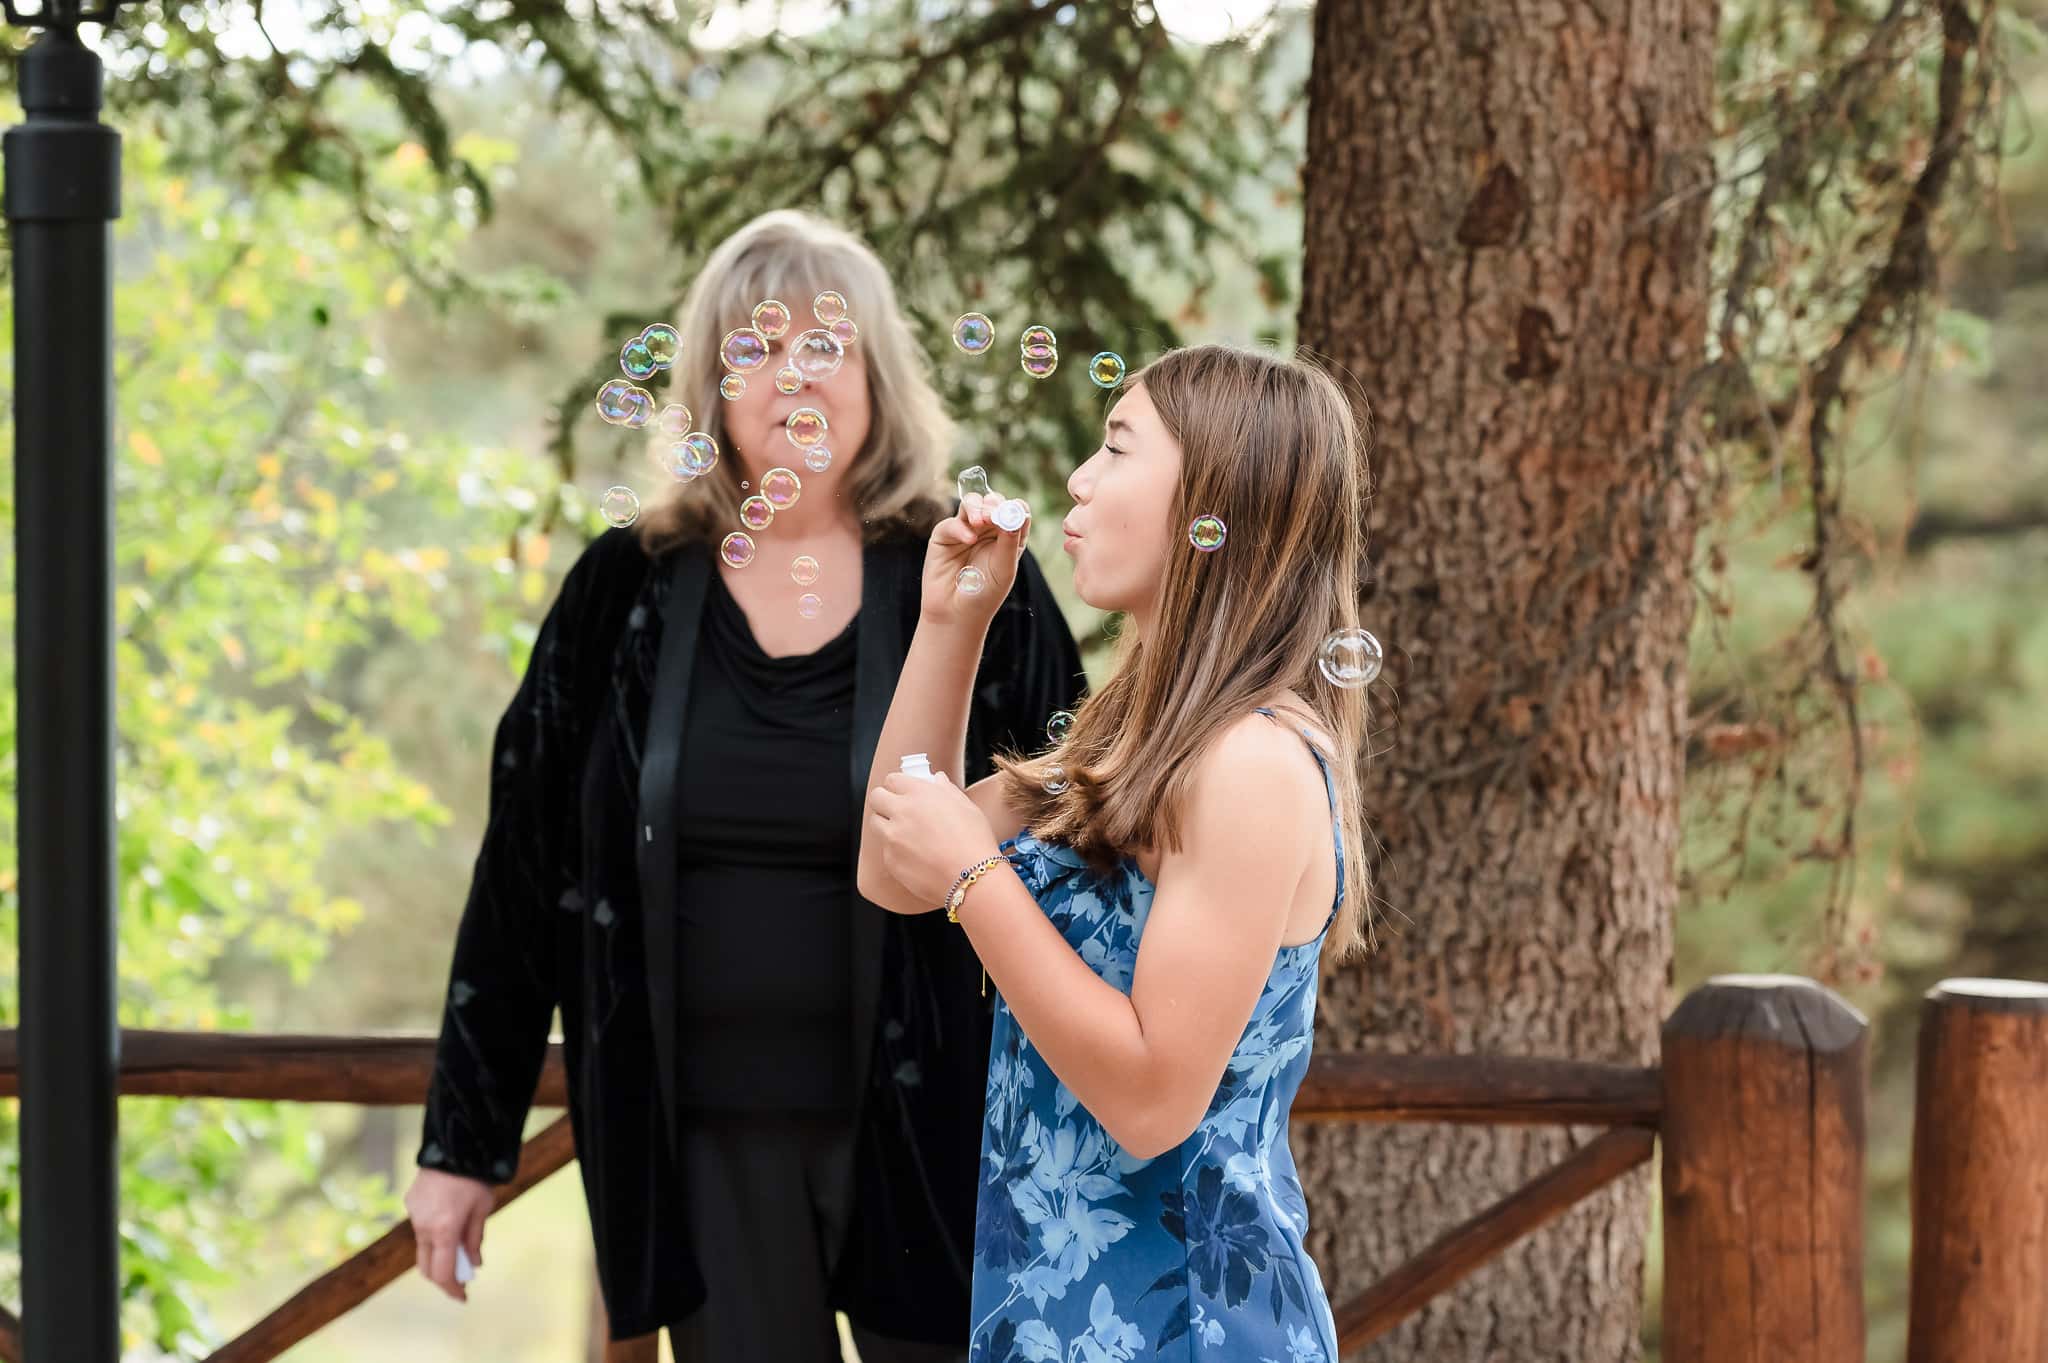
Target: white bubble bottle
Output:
{"points": [[919, 765]]}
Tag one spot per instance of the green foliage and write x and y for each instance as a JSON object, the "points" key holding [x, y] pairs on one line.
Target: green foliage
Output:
{"points": [[273, 529]]}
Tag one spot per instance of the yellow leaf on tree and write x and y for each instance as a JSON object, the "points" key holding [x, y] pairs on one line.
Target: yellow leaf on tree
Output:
{"points": [[145, 448], [535, 551], [232, 646], [270, 466], [409, 156], [395, 295]]}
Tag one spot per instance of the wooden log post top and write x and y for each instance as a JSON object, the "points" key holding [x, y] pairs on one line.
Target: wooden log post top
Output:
{"points": [[1980, 1174], [1764, 1083]]}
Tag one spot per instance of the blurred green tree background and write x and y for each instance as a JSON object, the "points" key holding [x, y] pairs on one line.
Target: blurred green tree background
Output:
{"points": [[375, 258]]}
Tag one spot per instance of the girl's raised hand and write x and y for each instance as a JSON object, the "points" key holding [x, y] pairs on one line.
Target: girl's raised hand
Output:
{"points": [[971, 540]]}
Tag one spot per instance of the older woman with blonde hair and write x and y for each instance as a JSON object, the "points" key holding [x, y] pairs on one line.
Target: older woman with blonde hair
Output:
{"points": [[776, 1091]]}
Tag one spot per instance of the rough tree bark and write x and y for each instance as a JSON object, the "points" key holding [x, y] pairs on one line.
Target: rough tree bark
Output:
{"points": [[1507, 247]]}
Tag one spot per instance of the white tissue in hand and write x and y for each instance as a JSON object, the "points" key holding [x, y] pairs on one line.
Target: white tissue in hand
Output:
{"points": [[464, 1269], [1011, 515]]}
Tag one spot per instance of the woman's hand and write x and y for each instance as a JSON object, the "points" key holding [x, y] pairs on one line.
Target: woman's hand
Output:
{"points": [[447, 1210], [927, 833], [970, 540]]}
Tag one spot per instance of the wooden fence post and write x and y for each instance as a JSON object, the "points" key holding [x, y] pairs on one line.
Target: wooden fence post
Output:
{"points": [[1980, 1175], [1764, 1080]]}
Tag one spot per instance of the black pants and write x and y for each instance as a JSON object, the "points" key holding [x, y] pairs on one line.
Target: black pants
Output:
{"points": [[770, 1196]]}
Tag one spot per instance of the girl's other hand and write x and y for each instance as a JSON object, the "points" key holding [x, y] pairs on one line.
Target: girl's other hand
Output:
{"points": [[927, 833], [970, 539]]}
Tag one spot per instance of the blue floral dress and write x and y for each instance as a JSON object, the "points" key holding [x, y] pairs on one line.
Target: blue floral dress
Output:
{"points": [[1084, 1254]]}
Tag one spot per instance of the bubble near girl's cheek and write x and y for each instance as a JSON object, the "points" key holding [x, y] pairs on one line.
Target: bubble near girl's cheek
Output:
{"points": [[737, 549], [1207, 533]]}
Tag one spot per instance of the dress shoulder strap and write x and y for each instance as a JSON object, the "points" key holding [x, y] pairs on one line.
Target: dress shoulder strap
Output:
{"points": [[1329, 791]]}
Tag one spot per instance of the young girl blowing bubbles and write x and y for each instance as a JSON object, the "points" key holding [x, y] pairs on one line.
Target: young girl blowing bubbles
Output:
{"points": [[1151, 898]]}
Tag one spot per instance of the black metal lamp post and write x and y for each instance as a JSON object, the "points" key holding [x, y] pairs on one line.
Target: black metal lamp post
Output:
{"points": [[63, 191]]}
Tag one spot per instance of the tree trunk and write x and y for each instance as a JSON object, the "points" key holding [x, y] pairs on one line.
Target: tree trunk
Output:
{"points": [[1483, 257]]}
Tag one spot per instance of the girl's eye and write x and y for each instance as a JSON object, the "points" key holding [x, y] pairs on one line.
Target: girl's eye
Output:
{"points": [[1111, 448]]}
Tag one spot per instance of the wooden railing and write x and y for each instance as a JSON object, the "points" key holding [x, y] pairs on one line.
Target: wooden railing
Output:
{"points": [[1759, 1104]]}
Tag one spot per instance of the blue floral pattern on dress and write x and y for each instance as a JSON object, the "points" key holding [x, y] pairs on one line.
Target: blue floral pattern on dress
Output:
{"points": [[1084, 1254]]}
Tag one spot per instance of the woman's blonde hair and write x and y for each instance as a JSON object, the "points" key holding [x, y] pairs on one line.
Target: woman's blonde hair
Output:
{"points": [[1271, 447], [793, 256]]}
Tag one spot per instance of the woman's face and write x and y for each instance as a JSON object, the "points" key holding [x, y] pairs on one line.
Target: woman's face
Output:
{"points": [[1117, 533], [756, 421]]}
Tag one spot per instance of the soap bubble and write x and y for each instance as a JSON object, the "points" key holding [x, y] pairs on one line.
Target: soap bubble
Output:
{"points": [[817, 459], [845, 332], [1055, 779], [974, 333], [771, 318], [637, 360], [1058, 726], [788, 379], [809, 604], [972, 581], [744, 350], [1207, 533], [1040, 360], [806, 427], [1010, 515], [757, 512], [737, 549], [816, 354], [699, 453], [973, 482], [829, 306], [804, 570], [622, 404], [1038, 335], [620, 505], [1106, 369], [673, 461], [662, 342], [1350, 658], [781, 487], [732, 387], [675, 420]]}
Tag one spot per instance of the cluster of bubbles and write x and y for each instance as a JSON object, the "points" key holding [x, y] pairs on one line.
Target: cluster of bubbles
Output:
{"points": [[687, 453], [811, 356], [1038, 349], [1056, 729], [1350, 658]]}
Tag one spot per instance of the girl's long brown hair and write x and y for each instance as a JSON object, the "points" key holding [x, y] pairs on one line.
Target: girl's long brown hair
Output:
{"points": [[1272, 447]]}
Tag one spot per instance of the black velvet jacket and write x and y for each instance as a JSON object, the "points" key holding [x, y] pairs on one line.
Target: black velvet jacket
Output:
{"points": [[573, 903]]}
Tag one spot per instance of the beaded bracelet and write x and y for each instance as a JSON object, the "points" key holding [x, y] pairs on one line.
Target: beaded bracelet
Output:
{"points": [[958, 894]]}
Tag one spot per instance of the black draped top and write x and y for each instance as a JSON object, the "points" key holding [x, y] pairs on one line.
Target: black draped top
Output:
{"points": [[764, 817]]}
